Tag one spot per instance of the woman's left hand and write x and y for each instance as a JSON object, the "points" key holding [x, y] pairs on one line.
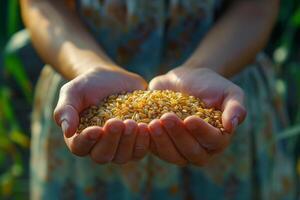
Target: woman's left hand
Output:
{"points": [[193, 140]]}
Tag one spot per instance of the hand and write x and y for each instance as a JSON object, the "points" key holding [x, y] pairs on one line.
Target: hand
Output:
{"points": [[193, 140], [117, 141]]}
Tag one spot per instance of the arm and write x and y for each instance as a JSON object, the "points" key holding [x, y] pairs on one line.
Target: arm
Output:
{"points": [[61, 40], [237, 37]]}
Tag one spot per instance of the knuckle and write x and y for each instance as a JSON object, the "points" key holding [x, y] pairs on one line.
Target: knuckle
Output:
{"points": [[76, 151], [139, 152], [139, 148]]}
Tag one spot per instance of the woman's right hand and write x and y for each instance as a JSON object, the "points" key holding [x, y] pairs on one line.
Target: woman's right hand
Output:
{"points": [[117, 141]]}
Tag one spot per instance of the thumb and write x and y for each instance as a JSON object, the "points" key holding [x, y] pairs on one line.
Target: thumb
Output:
{"points": [[160, 83], [234, 111], [66, 113]]}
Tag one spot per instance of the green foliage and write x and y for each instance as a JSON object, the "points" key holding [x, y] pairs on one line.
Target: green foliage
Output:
{"points": [[13, 19], [13, 141], [287, 27], [286, 56], [13, 66]]}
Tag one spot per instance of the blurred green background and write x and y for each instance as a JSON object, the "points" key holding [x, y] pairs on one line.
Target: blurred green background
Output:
{"points": [[20, 67]]}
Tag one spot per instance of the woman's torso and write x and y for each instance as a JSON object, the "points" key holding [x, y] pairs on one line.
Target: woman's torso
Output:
{"points": [[148, 37]]}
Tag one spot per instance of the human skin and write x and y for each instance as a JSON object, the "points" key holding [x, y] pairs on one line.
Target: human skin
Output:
{"points": [[63, 42], [230, 45]]}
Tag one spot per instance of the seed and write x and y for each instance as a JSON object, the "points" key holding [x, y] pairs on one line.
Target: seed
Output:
{"points": [[207, 120], [144, 106], [137, 116]]}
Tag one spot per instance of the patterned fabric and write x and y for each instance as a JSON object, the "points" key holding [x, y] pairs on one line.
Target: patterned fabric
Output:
{"points": [[146, 37], [134, 31]]}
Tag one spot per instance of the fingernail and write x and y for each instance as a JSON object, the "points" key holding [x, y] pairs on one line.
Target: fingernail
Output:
{"points": [[157, 131], [169, 123], [115, 129], [128, 131], [234, 122], [64, 126]]}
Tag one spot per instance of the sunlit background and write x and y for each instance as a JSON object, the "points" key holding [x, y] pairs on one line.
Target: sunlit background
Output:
{"points": [[20, 67]]}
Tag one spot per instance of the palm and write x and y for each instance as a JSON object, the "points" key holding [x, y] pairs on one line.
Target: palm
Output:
{"points": [[193, 140], [202, 84], [90, 88], [87, 90]]}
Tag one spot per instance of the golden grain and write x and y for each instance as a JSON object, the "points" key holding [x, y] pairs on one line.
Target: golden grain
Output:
{"points": [[144, 106]]}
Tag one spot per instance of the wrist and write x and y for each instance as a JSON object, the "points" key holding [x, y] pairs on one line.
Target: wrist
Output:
{"points": [[193, 64], [109, 68], [98, 67], [95, 66], [192, 68]]}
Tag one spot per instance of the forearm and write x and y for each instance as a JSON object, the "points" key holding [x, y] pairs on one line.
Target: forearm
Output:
{"points": [[237, 37], [60, 38]]}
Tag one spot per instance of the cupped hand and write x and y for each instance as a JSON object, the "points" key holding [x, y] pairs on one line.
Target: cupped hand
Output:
{"points": [[193, 140], [117, 141]]}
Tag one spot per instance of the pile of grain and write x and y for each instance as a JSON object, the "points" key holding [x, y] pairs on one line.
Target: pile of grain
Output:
{"points": [[144, 106]]}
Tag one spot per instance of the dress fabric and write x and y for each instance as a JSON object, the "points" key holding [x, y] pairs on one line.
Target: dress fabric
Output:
{"points": [[150, 38]]}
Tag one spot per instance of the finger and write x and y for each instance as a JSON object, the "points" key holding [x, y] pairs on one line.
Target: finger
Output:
{"points": [[153, 147], [234, 111], [81, 144], [127, 142], [185, 143], [67, 109], [138, 82], [211, 102], [142, 142], [164, 145], [105, 149], [209, 137], [160, 83]]}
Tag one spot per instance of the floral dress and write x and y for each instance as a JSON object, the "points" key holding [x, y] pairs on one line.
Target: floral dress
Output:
{"points": [[150, 38]]}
